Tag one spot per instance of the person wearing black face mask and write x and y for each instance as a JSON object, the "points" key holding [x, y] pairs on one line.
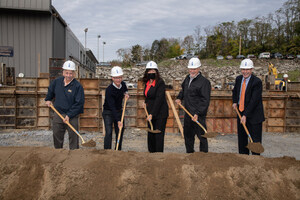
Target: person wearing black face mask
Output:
{"points": [[151, 76], [156, 104]]}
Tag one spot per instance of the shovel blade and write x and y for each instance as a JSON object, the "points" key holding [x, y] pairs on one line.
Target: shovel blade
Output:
{"points": [[255, 147], [153, 131], [90, 143], [210, 135]]}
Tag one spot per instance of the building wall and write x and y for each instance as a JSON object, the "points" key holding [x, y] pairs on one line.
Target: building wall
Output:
{"points": [[26, 4], [74, 48], [59, 39], [30, 35]]}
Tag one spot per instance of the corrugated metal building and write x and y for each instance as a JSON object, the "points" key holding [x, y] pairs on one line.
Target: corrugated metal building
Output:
{"points": [[37, 33]]}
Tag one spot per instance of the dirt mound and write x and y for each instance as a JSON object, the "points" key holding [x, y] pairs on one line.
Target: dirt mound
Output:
{"points": [[46, 173]]}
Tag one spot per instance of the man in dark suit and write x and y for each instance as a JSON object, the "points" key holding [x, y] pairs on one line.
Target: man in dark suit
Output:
{"points": [[247, 97]]}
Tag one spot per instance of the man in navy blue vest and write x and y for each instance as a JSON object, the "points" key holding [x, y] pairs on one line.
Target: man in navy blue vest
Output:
{"points": [[250, 105], [69, 100]]}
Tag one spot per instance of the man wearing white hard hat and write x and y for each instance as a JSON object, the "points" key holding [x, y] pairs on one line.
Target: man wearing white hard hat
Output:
{"points": [[157, 106], [195, 93], [247, 97], [112, 107], [283, 83], [69, 100]]}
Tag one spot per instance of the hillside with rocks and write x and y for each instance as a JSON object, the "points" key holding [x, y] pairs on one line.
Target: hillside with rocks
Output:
{"points": [[214, 70]]}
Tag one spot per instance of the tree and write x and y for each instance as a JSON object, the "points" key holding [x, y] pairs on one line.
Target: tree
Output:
{"points": [[146, 53], [136, 53], [199, 40], [159, 49], [174, 50], [125, 55], [188, 44]]}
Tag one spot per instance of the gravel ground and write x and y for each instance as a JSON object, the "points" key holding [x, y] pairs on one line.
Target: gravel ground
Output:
{"points": [[275, 144]]}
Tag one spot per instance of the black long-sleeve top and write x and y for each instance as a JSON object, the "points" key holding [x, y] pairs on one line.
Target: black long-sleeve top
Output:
{"points": [[156, 101], [114, 98], [196, 96]]}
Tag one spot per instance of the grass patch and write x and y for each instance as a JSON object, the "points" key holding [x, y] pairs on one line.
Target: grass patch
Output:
{"points": [[294, 75], [166, 63], [220, 63]]}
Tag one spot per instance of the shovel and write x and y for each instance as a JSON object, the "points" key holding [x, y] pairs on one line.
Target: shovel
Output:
{"points": [[120, 130], [90, 143], [255, 147], [206, 135], [151, 125]]}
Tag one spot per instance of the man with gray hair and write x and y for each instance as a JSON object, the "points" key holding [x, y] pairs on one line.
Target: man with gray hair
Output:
{"points": [[69, 100]]}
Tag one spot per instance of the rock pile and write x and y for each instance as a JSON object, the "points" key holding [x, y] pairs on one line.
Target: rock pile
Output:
{"points": [[177, 70]]}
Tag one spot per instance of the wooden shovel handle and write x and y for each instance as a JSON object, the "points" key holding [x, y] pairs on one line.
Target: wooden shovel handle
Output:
{"points": [[122, 118], [192, 117], [151, 125], [244, 125], [53, 108]]}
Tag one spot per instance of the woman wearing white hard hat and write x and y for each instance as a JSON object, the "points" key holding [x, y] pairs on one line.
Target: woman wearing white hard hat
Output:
{"points": [[156, 105], [69, 100], [195, 93], [247, 98], [112, 107]]}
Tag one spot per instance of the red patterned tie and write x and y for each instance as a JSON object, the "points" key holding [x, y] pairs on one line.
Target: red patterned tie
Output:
{"points": [[242, 99]]}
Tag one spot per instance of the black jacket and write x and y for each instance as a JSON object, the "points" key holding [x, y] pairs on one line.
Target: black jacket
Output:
{"points": [[156, 101], [197, 96], [253, 105], [69, 99]]}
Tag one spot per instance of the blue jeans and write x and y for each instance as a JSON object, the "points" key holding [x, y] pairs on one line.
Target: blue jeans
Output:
{"points": [[108, 123]]}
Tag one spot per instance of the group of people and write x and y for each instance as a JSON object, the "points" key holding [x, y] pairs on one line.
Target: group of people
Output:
{"points": [[194, 95]]}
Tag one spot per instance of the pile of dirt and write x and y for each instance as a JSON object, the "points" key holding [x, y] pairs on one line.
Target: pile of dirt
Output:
{"points": [[46, 173]]}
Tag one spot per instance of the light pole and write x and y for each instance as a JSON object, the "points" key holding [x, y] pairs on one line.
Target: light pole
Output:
{"points": [[99, 36], [103, 50], [85, 31]]}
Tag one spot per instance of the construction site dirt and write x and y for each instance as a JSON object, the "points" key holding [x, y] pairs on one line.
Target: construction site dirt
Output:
{"points": [[32, 169]]}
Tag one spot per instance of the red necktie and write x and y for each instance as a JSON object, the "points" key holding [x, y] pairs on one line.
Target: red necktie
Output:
{"points": [[242, 99]]}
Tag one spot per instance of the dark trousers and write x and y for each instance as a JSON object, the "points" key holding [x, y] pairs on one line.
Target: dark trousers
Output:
{"points": [[255, 131], [59, 130], [156, 140], [191, 129], [108, 123]]}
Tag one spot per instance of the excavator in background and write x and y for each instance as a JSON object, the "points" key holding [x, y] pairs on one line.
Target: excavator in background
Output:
{"points": [[273, 71]]}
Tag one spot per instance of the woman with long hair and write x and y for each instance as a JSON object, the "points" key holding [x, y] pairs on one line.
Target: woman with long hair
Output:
{"points": [[157, 107]]}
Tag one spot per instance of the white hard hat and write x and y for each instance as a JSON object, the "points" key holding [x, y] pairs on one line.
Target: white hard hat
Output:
{"points": [[151, 65], [285, 76], [246, 64], [194, 63], [116, 71], [69, 65]]}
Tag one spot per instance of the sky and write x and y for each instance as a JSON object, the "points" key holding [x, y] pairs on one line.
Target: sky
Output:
{"points": [[123, 24]]}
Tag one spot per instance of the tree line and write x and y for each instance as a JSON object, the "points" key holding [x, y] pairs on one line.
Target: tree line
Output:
{"points": [[276, 32]]}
